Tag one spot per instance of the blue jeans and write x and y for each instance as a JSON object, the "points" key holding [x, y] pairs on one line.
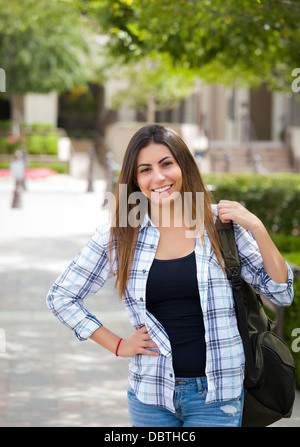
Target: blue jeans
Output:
{"points": [[191, 410]]}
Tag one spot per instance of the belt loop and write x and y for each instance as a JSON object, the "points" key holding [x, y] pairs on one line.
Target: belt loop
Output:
{"points": [[199, 384]]}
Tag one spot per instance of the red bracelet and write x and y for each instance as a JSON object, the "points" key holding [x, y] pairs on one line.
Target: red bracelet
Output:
{"points": [[118, 346]]}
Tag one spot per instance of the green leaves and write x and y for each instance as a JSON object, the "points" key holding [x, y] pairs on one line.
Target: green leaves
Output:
{"points": [[43, 45], [275, 198], [154, 78], [251, 40]]}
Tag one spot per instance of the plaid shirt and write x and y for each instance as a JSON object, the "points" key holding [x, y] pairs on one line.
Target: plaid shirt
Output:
{"points": [[152, 378]]}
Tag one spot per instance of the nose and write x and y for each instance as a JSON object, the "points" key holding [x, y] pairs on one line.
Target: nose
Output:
{"points": [[158, 175]]}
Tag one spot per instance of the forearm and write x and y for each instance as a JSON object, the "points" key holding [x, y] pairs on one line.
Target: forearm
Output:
{"points": [[138, 343], [105, 338], [274, 263]]}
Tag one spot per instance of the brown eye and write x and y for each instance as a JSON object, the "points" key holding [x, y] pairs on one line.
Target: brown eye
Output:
{"points": [[144, 170]]}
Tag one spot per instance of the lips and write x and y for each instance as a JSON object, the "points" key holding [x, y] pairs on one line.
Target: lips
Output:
{"points": [[163, 189]]}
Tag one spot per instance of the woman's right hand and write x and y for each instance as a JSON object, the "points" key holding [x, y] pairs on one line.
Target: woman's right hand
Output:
{"points": [[138, 343]]}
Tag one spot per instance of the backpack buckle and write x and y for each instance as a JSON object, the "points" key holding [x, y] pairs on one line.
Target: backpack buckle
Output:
{"points": [[234, 271], [235, 278]]}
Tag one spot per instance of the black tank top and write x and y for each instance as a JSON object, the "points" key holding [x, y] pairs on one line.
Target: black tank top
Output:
{"points": [[172, 296]]}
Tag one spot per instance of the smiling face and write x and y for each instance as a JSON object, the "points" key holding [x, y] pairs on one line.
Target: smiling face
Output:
{"points": [[159, 176]]}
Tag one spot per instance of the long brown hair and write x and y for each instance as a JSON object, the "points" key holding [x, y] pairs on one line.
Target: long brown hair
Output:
{"points": [[125, 237]]}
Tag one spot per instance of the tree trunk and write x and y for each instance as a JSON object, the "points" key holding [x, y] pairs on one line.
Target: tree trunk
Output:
{"points": [[98, 92], [17, 112], [150, 108]]}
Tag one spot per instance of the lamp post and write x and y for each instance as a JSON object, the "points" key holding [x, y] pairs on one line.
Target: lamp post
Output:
{"points": [[17, 168], [92, 155]]}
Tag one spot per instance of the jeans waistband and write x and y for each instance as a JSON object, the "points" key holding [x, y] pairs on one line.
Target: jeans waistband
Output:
{"points": [[191, 382]]}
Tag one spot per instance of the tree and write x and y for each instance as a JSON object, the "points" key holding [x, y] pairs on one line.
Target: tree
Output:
{"points": [[246, 42], [153, 84], [44, 46]]}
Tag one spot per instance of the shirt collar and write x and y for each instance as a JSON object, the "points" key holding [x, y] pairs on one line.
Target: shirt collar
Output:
{"points": [[147, 222]]}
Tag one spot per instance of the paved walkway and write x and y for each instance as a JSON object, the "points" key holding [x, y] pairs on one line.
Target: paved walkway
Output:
{"points": [[48, 377]]}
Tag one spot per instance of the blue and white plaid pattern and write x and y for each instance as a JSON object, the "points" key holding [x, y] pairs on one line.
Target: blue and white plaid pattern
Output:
{"points": [[152, 378]]}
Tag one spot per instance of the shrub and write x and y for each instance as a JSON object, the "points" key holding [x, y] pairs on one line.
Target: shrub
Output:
{"points": [[42, 143], [287, 244], [51, 140], [35, 144], [292, 321], [60, 168], [3, 145], [275, 198], [8, 145], [5, 124]]}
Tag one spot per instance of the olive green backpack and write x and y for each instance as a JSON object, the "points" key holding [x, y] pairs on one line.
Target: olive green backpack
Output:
{"points": [[269, 382]]}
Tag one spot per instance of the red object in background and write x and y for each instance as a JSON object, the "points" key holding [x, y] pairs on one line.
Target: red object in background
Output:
{"points": [[31, 173], [36, 173]]}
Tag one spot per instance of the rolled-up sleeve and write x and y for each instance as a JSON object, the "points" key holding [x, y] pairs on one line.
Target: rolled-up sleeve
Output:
{"points": [[85, 275], [254, 272]]}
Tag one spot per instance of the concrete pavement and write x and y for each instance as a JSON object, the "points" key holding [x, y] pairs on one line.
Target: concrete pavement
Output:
{"points": [[48, 377]]}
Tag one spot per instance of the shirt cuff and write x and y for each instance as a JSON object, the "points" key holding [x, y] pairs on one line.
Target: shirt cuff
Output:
{"points": [[87, 327], [276, 289]]}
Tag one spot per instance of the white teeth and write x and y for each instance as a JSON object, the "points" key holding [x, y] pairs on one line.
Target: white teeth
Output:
{"points": [[165, 188]]}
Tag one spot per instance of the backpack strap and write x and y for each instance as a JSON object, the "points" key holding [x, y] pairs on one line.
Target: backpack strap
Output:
{"points": [[228, 248], [233, 271]]}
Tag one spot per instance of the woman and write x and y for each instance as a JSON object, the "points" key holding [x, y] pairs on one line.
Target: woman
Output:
{"points": [[186, 359]]}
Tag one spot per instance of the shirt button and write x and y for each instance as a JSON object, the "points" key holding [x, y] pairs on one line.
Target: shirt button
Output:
{"points": [[141, 299], [144, 271], [151, 246], [171, 375]]}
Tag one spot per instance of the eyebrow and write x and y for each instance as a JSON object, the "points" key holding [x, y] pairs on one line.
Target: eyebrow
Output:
{"points": [[160, 161]]}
